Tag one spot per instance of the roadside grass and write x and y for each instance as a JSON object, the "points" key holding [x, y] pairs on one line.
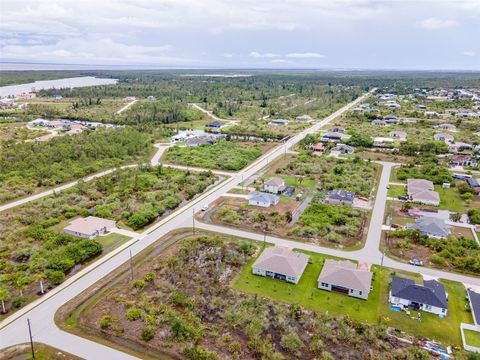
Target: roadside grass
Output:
{"points": [[374, 310], [396, 191], [113, 238], [472, 338]]}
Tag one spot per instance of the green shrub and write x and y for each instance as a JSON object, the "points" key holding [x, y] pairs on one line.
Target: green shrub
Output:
{"points": [[56, 277], [139, 284], [107, 321], [148, 333], [134, 314]]}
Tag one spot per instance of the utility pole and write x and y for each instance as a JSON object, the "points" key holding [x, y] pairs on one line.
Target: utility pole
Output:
{"points": [[131, 264], [31, 339], [264, 237]]}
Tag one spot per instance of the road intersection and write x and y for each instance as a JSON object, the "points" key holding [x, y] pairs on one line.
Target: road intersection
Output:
{"points": [[41, 313]]}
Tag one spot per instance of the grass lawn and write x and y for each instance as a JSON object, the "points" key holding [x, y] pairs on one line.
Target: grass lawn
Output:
{"points": [[472, 337], [374, 310], [396, 191], [450, 199], [111, 239]]}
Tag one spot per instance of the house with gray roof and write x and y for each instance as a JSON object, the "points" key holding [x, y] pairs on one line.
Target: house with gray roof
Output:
{"points": [[281, 263], [303, 118], [262, 199], [274, 185], [430, 226], [402, 135], [89, 227], [421, 191], [342, 149], [474, 299], [431, 297], [340, 197], [443, 137], [346, 278]]}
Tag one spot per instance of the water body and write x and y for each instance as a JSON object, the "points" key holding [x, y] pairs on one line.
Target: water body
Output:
{"points": [[12, 90]]}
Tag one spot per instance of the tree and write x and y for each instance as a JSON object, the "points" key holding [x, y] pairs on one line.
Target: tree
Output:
{"points": [[288, 216], [4, 296], [455, 216]]}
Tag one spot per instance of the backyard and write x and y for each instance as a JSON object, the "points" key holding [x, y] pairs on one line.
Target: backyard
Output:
{"points": [[374, 310]]}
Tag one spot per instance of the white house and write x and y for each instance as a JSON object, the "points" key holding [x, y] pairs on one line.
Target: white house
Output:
{"points": [[89, 227], [281, 263], [431, 297], [262, 199], [346, 278], [274, 185]]}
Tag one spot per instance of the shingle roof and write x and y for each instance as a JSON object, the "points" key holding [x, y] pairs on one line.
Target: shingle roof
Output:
{"points": [[345, 274], [274, 182], [475, 305], [215, 124], [426, 195], [433, 293], [341, 195], [262, 197], [430, 225], [282, 260], [89, 225]]}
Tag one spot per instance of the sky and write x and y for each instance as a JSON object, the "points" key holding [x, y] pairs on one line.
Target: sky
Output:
{"points": [[305, 34]]}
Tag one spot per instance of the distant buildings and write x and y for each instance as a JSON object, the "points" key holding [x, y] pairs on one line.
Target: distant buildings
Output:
{"points": [[331, 137], [401, 135], [279, 122], [215, 126], [443, 137], [342, 149], [303, 118], [281, 263]]}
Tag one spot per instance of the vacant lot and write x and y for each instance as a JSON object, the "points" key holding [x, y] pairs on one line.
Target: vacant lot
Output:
{"points": [[472, 338], [12, 133], [224, 155], [26, 168], [34, 247], [181, 302]]}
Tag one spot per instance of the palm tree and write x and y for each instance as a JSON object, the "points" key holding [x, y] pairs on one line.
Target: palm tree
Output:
{"points": [[4, 296]]}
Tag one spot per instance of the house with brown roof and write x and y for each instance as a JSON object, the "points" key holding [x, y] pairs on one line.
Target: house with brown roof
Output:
{"points": [[345, 277], [318, 148], [89, 227], [281, 263]]}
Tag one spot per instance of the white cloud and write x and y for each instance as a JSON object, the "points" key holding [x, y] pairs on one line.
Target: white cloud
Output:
{"points": [[280, 61], [469, 53], [227, 55], [256, 54], [307, 55], [436, 24]]}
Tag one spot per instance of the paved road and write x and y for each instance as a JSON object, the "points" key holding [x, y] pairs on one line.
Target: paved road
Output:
{"points": [[13, 330]]}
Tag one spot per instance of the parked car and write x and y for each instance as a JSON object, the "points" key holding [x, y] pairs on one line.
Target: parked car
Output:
{"points": [[205, 207], [416, 262], [403, 198]]}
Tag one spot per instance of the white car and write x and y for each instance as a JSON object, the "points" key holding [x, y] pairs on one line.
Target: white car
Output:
{"points": [[205, 207]]}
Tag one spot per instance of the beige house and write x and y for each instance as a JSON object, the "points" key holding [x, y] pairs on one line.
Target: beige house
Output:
{"points": [[421, 191], [281, 263], [346, 278], [89, 227]]}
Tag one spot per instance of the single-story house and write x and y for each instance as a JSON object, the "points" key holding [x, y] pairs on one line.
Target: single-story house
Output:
{"points": [[303, 118], [431, 113], [431, 297], [472, 182], [474, 299], [318, 148], [199, 140], [421, 191], [343, 149], [378, 122], [430, 226], [460, 146], [420, 107], [89, 227], [402, 135], [390, 119], [448, 127], [337, 129], [340, 197], [262, 199], [38, 122], [346, 278], [279, 122], [274, 185], [281, 263], [331, 136], [464, 160], [443, 137]]}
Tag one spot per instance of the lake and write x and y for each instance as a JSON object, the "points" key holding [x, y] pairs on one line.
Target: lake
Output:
{"points": [[11, 90]]}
